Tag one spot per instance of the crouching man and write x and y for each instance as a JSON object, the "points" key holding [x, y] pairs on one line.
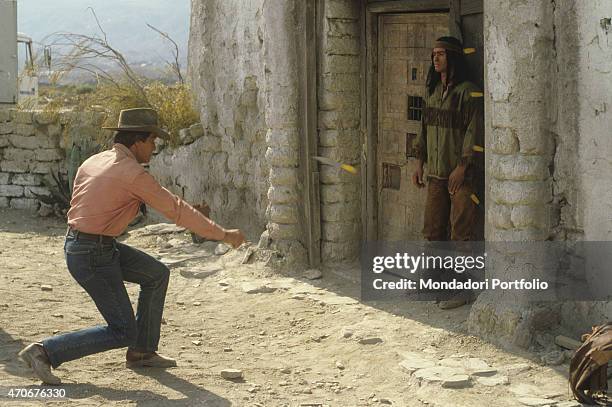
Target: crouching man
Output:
{"points": [[108, 190]]}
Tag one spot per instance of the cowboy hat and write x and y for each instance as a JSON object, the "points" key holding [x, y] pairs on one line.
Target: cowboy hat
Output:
{"points": [[139, 119]]}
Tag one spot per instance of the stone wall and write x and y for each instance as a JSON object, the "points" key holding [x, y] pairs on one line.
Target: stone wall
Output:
{"points": [[246, 78], [339, 124], [29, 152], [227, 167], [583, 168], [548, 88], [243, 69]]}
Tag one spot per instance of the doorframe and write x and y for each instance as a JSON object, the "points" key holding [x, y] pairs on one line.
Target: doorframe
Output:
{"points": [[308, 20], [369, 95]]}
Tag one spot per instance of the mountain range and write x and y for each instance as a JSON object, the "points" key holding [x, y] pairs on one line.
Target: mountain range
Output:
{"points": [[124, 21]]}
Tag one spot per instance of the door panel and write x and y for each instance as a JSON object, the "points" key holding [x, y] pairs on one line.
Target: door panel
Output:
{"points": [[404, 51]]}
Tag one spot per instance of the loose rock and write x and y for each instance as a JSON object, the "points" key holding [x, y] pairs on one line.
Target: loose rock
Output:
{"points": [[221, 249], [535, 401], [554, 358], [373, 340], [257, 288], [447, 376], [493, 381], [313, 274], [347, 333], [515, 369], [231, 374], [414, 362], [46, 287]]}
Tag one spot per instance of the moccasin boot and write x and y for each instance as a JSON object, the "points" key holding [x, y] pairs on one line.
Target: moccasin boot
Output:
{"points": [[34, 356], [149, 359]]}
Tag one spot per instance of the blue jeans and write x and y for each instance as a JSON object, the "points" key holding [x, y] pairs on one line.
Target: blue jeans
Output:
{"points": [[100, 268]]}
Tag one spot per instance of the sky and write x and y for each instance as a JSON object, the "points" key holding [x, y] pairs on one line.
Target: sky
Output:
{"points": [[123, 20]]}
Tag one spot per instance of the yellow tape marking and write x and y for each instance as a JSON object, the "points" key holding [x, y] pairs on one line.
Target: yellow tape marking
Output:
{"points": [[475, 199], [468, 51], [478, 149], [476, 94]]}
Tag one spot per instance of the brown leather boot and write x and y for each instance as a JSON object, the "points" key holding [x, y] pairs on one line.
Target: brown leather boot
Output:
{"points": [[147, 359]]}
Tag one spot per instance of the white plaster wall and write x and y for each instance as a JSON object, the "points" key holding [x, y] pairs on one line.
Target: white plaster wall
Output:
{"points": [[591, 169], [227, 74]]}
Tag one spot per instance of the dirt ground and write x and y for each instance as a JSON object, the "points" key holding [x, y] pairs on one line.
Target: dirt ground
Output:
{"points": [[298, 342]]}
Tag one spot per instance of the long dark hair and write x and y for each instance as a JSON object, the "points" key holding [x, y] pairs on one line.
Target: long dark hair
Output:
{"points": [[457, 67]]}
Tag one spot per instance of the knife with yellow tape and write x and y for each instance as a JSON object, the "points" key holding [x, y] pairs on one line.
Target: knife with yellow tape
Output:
{"points": [[328, 161]]}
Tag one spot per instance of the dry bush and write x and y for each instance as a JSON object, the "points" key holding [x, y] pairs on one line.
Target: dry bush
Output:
{"points": [[118, 86]]}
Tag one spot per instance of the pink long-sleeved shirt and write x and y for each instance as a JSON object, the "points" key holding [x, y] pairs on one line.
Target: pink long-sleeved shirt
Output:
{"points": [[109, 188]]}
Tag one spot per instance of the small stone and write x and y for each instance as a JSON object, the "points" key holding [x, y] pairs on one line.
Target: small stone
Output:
{"points": [[448, 376], [221, 249], [55, 331], [197, 304], [497, 380], [58, 315], [252, 389], [554, 358], [535, 401], [478, 367], [385, 401], [373, 340], [195, 335], [257, 288], [283, 383], [223, 283], [197, 343], [180, 303], [456, 382], [46, 287], [231, 374], [285, 370], [515, 369], [297, 297], [339, 365], [227, 349], [414, 362], [313, 274], [247, 255], [347, 333]]}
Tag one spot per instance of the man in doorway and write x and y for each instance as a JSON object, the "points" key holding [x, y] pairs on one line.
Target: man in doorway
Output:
{"points": [[451, 131], [109, 189]]}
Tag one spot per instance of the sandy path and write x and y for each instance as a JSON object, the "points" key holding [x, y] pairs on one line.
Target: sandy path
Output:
{"points": [[297, 344]]}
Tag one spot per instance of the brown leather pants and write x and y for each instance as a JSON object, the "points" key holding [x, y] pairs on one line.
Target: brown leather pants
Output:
{"points": [[443, 210]]}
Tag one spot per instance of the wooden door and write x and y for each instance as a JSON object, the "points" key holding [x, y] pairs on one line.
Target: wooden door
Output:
{"points": [[404, 56]]}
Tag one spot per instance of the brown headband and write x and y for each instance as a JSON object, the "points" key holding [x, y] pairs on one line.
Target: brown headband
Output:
{"points": [[448, 46]]}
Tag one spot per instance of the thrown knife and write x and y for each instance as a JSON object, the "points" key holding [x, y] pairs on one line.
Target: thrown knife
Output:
{"points": [[328, 161]]}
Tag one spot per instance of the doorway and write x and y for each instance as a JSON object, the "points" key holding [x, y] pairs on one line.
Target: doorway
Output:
{"points": [[404, 55], [398, 38]]}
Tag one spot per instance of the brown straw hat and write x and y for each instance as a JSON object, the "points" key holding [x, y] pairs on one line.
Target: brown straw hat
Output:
{"points": [[139, 119]]}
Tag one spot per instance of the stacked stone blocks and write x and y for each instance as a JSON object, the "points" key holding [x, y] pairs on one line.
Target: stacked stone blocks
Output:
{"points": [[29, 151], [339, 130]]}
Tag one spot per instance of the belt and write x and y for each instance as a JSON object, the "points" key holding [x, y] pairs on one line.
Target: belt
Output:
{"points": [[78, 235]]}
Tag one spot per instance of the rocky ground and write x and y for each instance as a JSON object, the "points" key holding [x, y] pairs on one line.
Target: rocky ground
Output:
{"points": [[292, 339]]}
